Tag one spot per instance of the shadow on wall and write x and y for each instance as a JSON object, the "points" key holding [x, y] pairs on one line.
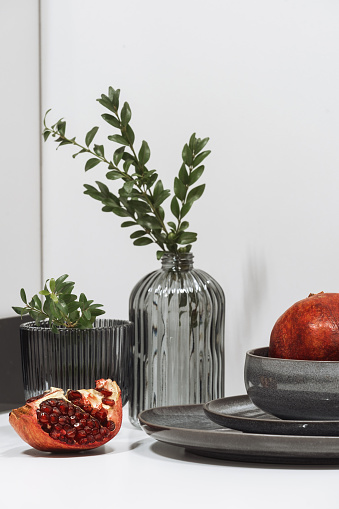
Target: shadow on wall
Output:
{"points": [[250, 308], [11, 384]]}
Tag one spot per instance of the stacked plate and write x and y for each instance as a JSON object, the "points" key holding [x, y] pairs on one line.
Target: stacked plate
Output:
{"points": [[235, 429]]}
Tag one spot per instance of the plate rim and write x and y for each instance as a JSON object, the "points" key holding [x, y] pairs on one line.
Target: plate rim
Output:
{"points": [[273, 420]]}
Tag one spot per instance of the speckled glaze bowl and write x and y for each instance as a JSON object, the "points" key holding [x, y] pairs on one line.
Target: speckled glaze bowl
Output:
{"points": [[292, 389]]}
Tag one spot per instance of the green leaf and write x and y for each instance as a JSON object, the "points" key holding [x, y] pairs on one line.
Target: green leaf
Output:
{"points": [[195, 175], [185, 209], [110, 119], [82, 151], [162, 197], [113, 175], [137, 234], [126, 114], [183, 175], [195, 193], [87, 314], [116, 96], [46, 134], [91, 163], [52, 284], [143, 241], [118, 154], [103, 188], [187, 155], [111, 93], [175, 209], [200, 144], [23, 295], [20, 311], [90, 135], [44, 292], [184, 225], [120, 211], [126, 224], [199, 159], [128, 186], [187, 238], [99, 150], [144, 153], [107, 103], [192, 142], [151, 180], [172, 225], [127, 165], [92, 192], [61, 127], [160, 254], [117, 138], [37, 302], [158, 188], [130, 134], [150, 222], [179, 189]]}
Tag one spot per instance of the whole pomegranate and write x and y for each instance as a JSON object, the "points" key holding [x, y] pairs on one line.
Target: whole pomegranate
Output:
{"points": [[83, 419], [308, 330]]}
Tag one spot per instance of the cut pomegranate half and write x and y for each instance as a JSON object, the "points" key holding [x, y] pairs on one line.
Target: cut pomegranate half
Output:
{"points": [[83, 419]]}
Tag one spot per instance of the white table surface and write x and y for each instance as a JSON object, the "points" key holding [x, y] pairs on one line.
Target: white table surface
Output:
{"points": [[134, 470]]}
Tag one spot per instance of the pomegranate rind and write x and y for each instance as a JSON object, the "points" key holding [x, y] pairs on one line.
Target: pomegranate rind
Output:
{"points": [[308, 330], [25, 423]]}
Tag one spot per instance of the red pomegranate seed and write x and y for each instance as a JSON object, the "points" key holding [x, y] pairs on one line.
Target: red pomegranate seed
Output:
{"points": [[63, 407], [63, 419], [54, 418], [43, 417], [105, 392], [101, 414], [109, 402], [111, 425], [71, 395], [44, 407]]}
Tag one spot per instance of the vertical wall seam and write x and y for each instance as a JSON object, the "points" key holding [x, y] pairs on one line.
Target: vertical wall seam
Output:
{"points": [[40, 148]]}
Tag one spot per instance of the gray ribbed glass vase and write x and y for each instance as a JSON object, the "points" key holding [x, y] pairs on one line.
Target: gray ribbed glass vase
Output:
{"points": [[178, 347], [75, 358]]}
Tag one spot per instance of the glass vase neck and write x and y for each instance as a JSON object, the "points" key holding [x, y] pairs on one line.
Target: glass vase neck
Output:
{"points": [[177, 262]]}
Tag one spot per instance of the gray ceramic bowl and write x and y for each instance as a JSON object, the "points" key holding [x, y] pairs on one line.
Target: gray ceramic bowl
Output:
{"points": [[292, 389]]}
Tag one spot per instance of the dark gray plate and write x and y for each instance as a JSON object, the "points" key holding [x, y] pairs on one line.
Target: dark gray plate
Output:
{"points": [[187, 426], [240, 413]]}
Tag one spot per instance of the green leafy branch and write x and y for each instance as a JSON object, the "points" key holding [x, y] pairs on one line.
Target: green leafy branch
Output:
{"points": [[61, 307], [142, 194]]}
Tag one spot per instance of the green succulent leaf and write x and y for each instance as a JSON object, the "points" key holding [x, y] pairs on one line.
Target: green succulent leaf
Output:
{"points": [[61, 308]]}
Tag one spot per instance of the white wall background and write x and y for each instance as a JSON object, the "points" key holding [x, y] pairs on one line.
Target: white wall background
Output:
{"points": [[261, 79], [20, 152]]}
